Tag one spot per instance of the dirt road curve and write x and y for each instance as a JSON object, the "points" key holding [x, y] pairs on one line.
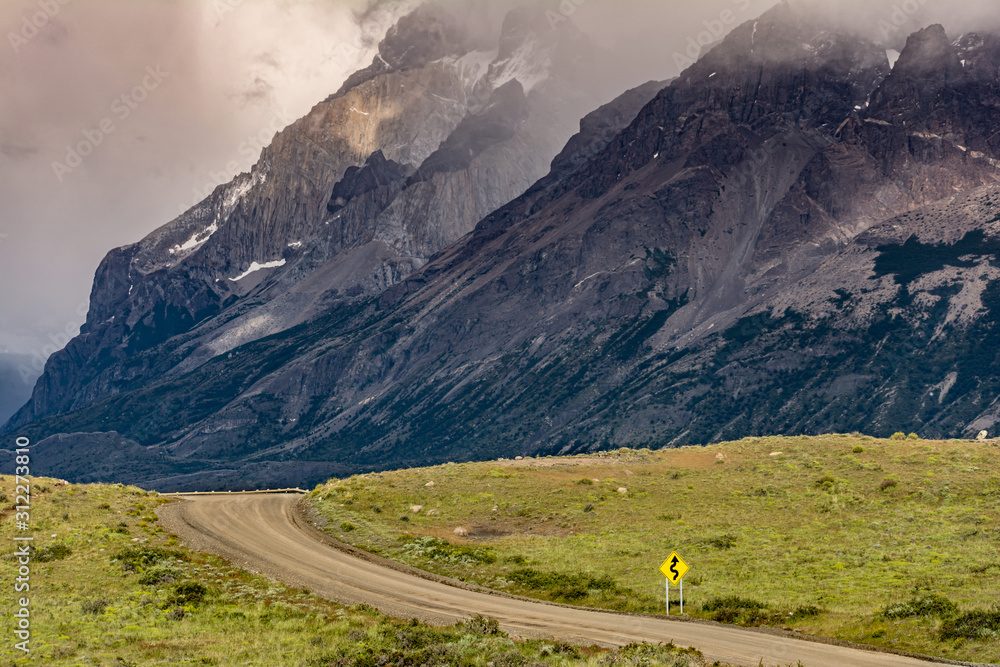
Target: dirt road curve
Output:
{"points": [[263, 533]]}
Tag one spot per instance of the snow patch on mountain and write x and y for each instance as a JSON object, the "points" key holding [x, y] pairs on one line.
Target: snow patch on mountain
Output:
{"points": [[256, 266], [530, 65]]}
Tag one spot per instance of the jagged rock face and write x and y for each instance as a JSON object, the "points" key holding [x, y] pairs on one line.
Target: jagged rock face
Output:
{"points": [[378, 173], [768, 247], [332, 211]]}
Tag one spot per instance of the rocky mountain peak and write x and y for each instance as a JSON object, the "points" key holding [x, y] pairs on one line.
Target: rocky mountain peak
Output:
{"points": [[427, 34], [788, 62], [930, 57], [430, 32], [980, 56]]}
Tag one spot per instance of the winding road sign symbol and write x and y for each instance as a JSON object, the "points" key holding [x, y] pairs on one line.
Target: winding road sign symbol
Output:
{"points": [[674, 568]]}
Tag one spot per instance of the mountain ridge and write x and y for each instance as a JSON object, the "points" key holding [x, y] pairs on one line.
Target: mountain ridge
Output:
{"points": [[731, 261]]}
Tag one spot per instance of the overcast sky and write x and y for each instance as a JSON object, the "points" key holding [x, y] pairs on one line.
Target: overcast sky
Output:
{"points": [[180, 95]]}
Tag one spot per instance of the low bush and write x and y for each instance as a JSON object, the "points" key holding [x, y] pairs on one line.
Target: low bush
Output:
{"points": [[436, 549], [887, 484], [735, 609], [727, 541], [928, 605], [95, 606], [561, 585], [54, 552], [483, 627], [667, 655], [825, 482], [805, 611], [190, 592], [159, 575], [976, 624], [134, 559]]}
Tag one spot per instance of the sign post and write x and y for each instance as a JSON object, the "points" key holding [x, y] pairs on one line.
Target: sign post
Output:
{"points": [[674, 569]]}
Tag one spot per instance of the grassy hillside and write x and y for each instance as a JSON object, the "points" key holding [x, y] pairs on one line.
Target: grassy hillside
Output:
{"points": [[109, 588], [886, 542]]}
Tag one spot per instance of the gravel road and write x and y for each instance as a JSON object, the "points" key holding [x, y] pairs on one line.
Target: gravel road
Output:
{"points": [[269, 534]]}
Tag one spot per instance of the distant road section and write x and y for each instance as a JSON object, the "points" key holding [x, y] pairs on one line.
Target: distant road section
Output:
{"points": [[266, 533]]}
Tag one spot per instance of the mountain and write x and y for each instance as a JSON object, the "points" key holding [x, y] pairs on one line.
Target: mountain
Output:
{"points": [[447, 124], [792, 237]]}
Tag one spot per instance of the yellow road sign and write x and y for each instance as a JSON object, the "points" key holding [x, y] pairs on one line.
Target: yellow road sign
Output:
{"points": [[674, 568]]}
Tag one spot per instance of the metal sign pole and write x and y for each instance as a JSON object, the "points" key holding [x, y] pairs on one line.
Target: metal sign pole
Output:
{"points": [[667, 582], [682, 596]]}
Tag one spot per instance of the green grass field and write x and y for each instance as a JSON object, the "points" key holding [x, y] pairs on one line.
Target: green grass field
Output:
{"points": [[109, 588], [885, 542]]}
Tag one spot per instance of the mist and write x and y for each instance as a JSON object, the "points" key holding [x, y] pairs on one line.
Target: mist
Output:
{"points": [[178, 97]]}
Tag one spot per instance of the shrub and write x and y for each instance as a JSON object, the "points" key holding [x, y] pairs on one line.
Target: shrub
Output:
{"points": [[912, 436], [176, 614], [589, 507], [898, 435], [825, 482], [976, 624], [561, 585], [735, 609], [139, 558], [805, 611], [95, 606], [858, 449], [434, 548], [55, 552], [510, 659], [347, 527], [887, 484], [585, 481], [159, 575], [928, 605], [727, 541], [666, 655], [188, 593], [482, 626]]}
